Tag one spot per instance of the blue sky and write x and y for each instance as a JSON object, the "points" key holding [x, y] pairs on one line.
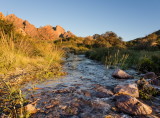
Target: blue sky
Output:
{"points": [[130, 19]]}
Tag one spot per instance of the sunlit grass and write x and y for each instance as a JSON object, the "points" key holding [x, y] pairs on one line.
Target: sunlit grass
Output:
{"points": [[27, 54], [31, 60]]}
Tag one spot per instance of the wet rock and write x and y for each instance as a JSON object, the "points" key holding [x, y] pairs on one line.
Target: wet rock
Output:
{"points": [[127, 89], [86, 115], [71, 110], [155, 81], [65, 90], [100, 95], [102, 92], [74, 117], [150, 75], [132, 106], [141, 82], [116, 116], [100, 105], [120, 74], [86, 93], [52, 103]]}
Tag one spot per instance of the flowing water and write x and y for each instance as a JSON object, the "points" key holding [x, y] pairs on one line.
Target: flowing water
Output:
{"points": [[74, 95], [81, 70]]}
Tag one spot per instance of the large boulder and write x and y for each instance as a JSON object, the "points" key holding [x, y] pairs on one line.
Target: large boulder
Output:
{"points": [[127, 89], [120, 74], [132, 106]]}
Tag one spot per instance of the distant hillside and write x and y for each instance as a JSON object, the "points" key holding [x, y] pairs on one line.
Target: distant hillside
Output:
{"points": [[150, 41], [45, 33]]}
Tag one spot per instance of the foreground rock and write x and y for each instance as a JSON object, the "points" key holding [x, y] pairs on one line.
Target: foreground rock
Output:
{"points": [[120, 74], [31, 108], [102, 92], [127, 89], [132, 106]]}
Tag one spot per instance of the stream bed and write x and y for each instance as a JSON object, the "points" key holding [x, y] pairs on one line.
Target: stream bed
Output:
{"points": [[80, 93]]}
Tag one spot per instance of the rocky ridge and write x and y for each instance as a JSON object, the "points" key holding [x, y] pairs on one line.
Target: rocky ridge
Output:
{"points": [[44, 33]]}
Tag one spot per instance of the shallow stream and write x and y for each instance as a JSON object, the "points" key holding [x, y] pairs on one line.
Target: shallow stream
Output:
{"points": [[75, 95]]}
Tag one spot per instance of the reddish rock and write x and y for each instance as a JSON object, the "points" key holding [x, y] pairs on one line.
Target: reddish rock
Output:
{"points": [[59, 30], [102, 90], [120, 74], [67, 34], [45, 33], [1, 15], [98, 104], [127, 89], [86, 93], [30, 108], [132, 106]]}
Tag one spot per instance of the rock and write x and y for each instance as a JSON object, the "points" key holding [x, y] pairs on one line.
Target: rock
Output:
{"points": [[47, 33], [150, 75], [132, 106], [117, 116], [65, 90], [102, 91], [86, 115], [44, 33], [67, 34], [120, 74], [71, 110], [98, 104], [2, 16], [59, 30], [155, 81], [141, 82], [100, 95], [127, 89], [31, 108], [86, 93]]}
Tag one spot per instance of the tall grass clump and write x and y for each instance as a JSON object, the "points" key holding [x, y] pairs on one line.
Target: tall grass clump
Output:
{"points": [[140, 60], [29, 55], [116, 59], [12, 102], [23, 59]]}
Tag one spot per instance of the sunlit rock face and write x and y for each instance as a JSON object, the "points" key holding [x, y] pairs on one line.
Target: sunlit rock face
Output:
{"points": [[45, 33], [132, 105], [1, 15]]}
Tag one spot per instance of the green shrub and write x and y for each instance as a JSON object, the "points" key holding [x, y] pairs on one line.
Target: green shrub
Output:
{"points": [[147, 92], [145, 64]]}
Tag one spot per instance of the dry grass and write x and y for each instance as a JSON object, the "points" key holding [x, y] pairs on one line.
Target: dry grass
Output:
{"points": [[27, 53], [25, 59]]}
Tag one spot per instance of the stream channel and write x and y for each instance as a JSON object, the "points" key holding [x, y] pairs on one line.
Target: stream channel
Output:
{"points": [[79, 94]]}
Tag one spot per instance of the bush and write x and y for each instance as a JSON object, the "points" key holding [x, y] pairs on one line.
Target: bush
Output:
{"points": [[6, 27], [145, 64]]}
